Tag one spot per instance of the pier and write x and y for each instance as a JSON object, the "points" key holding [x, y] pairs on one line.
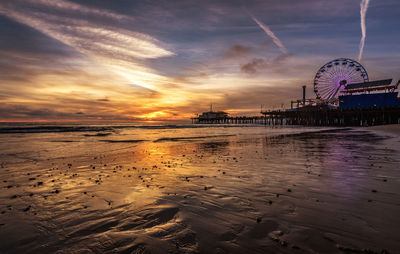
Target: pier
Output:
{"points": [[324, 116], [230, 120], [341, 100], [315, 116]]}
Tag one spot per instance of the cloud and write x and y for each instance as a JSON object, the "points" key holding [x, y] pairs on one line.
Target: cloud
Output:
{"points": [[252, 97], [89, 38], [29, 113], [74, 7], [259, 64], [117, 49], [104, 100], [237, 50], [10, 111], [268, 31], [363, 12], [253, 66]]}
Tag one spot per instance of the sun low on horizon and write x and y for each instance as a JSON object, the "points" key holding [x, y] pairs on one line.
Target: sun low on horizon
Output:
{"points": [[161, 61]]}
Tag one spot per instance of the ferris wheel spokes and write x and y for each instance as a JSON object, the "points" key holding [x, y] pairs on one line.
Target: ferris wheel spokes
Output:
{"points": [[335, 75]]}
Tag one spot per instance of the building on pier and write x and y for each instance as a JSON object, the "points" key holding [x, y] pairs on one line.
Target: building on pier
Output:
{"points": [[211, 115], [369, 94]]}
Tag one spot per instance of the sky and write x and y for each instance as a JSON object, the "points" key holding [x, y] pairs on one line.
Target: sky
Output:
{"points": [[162, 60]]}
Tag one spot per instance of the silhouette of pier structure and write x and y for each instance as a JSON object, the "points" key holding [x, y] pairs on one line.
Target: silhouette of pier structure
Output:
{"points": [[357, 105], [344, 97]]}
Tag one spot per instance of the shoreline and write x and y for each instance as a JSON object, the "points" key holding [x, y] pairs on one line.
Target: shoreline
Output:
{"points": [[389, 128]]}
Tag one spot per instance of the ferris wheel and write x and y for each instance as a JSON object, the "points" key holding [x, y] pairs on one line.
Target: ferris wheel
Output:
{"points": [[336, 75]]}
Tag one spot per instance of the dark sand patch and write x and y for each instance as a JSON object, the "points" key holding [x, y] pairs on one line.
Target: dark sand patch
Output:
{"points": [[123, 141], [100, 134]]}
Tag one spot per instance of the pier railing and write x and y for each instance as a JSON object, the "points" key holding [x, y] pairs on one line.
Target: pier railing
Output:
{"points": [[230, 120], [315, 116]]}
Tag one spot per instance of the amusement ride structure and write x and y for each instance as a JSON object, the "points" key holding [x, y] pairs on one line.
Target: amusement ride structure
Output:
{"points": [[335, 75], [344, 83]]}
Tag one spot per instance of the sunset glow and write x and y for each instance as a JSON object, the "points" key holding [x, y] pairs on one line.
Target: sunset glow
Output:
{"points": [[94, 60]]}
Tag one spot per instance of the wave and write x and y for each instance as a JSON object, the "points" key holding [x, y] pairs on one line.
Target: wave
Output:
{"points": [[307, 133], [109, 128], [189, 138], [50, 129]]}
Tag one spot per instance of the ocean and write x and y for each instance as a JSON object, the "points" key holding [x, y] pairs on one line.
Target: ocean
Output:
{"points": [[128, 188]]}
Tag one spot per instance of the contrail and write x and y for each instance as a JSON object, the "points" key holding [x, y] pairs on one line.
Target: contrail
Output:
{"points": [[363, 11], [271, 34]]}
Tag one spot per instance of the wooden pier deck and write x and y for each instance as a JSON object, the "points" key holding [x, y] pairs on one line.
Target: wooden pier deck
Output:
{"points": [[231, 120], [315, 116]]}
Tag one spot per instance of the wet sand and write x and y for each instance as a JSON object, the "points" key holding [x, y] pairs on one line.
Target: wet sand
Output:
{"points": [[331, 191], [386, 129]]}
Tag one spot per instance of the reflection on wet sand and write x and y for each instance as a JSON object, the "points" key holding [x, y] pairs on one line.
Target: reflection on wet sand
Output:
{"points": [[322, 192]]}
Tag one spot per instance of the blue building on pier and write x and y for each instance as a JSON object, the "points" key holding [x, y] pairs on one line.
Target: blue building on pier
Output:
{"points": [[370, 95]]}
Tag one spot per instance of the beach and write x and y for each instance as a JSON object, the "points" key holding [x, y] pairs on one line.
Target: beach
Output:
{"points": [[392, 129], [199, 189]]}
